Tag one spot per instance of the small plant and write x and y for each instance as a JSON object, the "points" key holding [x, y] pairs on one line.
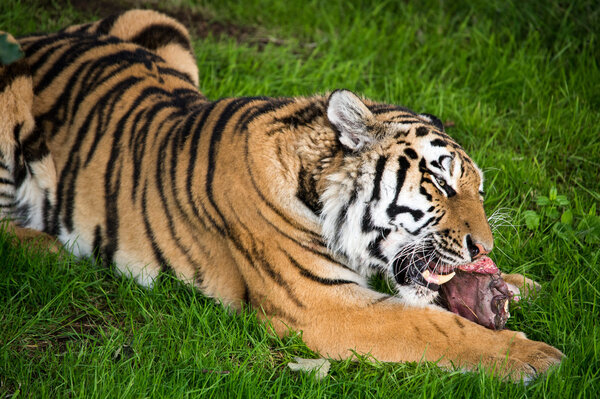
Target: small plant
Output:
{"points": [[556, 214]]}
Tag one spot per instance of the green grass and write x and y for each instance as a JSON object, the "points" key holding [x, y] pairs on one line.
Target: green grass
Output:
{"points": [[520, 84]]}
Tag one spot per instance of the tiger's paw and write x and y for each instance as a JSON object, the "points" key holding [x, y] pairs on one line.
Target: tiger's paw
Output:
{"points": [[36, 239], [520, 286], [525, 359]]}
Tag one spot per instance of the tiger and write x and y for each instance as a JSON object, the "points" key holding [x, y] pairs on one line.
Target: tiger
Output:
{"points": [[287, 205]]}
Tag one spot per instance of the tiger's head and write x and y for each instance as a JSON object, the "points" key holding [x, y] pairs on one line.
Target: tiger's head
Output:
{"points": [[404, 198]]}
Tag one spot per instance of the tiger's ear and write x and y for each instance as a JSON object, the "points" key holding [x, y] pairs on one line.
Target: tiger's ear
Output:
{"points": [[352, 120]]}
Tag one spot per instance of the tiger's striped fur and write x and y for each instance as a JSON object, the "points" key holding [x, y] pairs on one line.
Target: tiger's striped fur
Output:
{"points": [[287, 204]]}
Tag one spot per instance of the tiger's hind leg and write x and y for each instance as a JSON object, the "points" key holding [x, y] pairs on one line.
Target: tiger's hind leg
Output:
{"points": [[157, 32], [27, 172]]}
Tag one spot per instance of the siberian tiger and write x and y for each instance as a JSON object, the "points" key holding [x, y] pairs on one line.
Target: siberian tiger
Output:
{"points": [[286, 204]]}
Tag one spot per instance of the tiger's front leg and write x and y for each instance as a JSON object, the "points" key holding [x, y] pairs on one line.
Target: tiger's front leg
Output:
{"points": [[354, 320]]}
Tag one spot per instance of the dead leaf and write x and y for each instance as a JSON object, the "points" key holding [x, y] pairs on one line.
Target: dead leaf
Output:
{"points": [[319, 366]]}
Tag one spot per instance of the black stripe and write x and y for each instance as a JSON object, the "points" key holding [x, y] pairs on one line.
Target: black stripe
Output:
{"points": [[246, 297], [449, 191], [422, 131], [302, 117], [111, 197], [276, 277], [321, 280], [404, 164], [271, 105], [442, 157], [137, 145], [97, 243], [160, 35], [382, 299], [341, 218], [307, 191], [158, 253], [366, 224], [379, 168], [412, 154], [106, 24], [46, 211], [423, 167], [177, 73], [439, 143], [34, 146], [9, 73], [403, 119], [459, 323], [394, 210], [374, 247], [276, 312], [20, 171], [437, 327], [385, 108], [424, 192], [420, 228], [435, 121]]}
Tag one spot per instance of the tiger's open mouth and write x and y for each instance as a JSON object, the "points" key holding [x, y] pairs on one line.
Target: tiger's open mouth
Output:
{"points": [[431, 272], [428, 271]]}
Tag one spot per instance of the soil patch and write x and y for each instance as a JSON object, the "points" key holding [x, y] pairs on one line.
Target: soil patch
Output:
{"points": [[199, 24]]}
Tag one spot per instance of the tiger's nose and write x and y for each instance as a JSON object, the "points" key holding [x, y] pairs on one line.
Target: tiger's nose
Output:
{"points": [[475, 249]]}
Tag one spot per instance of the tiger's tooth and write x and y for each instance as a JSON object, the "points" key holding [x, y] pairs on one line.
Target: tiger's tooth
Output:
{"points": [[437, 278], [427, 275], [445, 278]]}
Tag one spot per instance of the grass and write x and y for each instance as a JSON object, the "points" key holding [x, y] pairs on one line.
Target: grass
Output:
{"points": [[518, 84]]}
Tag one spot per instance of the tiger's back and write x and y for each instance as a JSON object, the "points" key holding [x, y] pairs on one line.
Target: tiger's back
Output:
{"points": [[284, 203]]}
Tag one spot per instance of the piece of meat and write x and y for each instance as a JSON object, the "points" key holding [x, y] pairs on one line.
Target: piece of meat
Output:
{"points": [[479, 296]]}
